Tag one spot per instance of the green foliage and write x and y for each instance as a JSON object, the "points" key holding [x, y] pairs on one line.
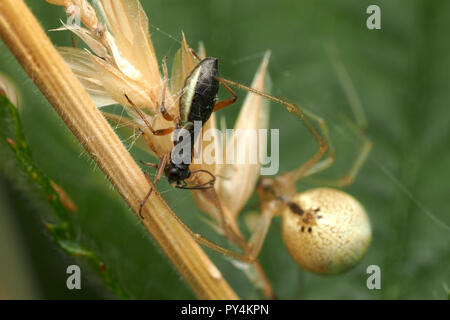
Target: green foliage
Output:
{"points": [[63, 231]]}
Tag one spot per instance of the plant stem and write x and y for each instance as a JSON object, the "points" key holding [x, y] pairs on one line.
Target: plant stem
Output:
{"points": [[23, 35]]}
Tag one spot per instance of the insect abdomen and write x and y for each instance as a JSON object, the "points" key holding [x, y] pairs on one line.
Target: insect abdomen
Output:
{"points": [[201, 87]]}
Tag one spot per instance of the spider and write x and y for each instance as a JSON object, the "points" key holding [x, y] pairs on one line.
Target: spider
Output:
{"points": [[277, 195]]}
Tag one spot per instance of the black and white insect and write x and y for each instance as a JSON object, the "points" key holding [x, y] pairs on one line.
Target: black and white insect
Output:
{"points": [[197, 103]]}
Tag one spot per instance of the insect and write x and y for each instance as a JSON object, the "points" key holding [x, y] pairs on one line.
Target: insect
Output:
{"points": [[197, 103]]}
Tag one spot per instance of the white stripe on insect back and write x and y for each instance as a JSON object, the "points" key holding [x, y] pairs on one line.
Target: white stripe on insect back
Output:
{"points": [[189, 95]]}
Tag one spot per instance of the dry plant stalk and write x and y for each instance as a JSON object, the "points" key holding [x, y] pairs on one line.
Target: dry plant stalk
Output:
{"points": [[28, 42]]}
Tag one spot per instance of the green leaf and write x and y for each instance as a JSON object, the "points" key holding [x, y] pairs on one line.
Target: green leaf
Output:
{"points": [[62, 232]]}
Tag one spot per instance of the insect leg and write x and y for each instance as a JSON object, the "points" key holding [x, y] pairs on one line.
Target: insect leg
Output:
{"points": [[213, 177], [149, 143], [148, 164], [163, 109], [195, 54], [205, 185], [164, 112], [159, 132], [225, 103], [159, 171]]}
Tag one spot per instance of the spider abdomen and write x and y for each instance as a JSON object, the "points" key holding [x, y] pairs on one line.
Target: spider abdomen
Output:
{"points": [[330, 234]]}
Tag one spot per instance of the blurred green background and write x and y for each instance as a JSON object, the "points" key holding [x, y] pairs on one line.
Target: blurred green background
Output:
{"points": [[402, 76]]}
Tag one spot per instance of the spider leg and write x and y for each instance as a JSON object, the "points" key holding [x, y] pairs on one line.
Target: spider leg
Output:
{"points": [[347, 85], [199, 238], [260, 232], [202, 240], [262, 225], [360, 159], [301, 115], [327, 162], [223, 218], [357, 125]]}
